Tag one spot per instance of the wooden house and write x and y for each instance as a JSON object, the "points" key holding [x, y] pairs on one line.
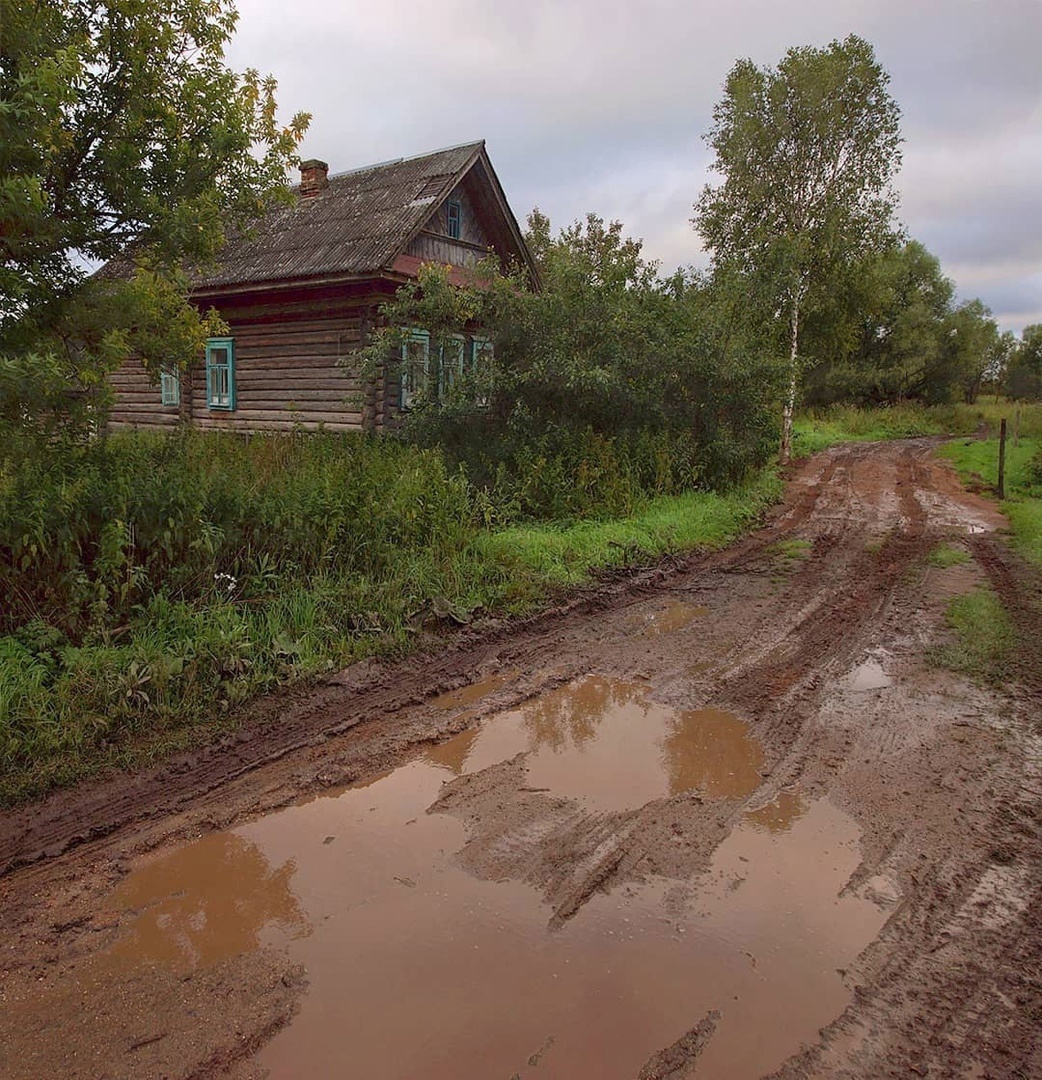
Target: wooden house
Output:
{"points": [[301, 291]]}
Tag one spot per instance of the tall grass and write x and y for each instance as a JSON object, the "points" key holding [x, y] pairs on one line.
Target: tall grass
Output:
{"points": [[152, 583], [819, 428]]}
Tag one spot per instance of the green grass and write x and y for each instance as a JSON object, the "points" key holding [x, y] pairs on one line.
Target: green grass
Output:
{"points": [[155, 585], [944, 555], [984, 637], [976, 461], [537, 559], [818, 429], [1025, 519]]}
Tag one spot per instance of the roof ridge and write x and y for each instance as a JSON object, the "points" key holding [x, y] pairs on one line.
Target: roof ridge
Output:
{"points": [[412, 157], [361, 222]]}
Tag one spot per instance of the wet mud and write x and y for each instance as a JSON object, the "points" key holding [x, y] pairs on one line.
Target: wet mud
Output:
{"points": [[364, 889], [721, 818]]}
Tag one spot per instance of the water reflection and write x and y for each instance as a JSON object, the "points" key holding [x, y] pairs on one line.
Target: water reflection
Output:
{"points": [[205, 902], [443, 975], [453, 753], [418, 968], [712, 750], [780, 814], [606, 743], [473, 692], [572, 717], [868, 675]]}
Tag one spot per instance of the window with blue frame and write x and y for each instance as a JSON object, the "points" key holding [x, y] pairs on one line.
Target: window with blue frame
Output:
{"points": [[450, 363], [416, 363], [435, 369], [169, 388], [454, 215], [220, 374], [479, 361]]}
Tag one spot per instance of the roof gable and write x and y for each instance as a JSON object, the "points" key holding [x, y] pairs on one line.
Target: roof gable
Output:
{"points": [[362, 221]]}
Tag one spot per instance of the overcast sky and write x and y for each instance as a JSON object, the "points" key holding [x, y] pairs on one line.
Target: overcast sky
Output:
{"points": [[600, 105]]}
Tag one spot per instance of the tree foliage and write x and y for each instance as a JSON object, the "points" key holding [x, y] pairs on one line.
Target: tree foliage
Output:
{"points": [[888, 330], [807, 151], [121, 131], [1024, 377], [606, 352]]}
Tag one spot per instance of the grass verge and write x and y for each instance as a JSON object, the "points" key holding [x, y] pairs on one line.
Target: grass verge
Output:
{"points": [[984, 638], [535, 560], [976, 462], [161, 585], [818, 429]]}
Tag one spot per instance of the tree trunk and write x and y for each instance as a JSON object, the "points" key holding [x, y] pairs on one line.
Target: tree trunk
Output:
{"points": [[785, 453]]}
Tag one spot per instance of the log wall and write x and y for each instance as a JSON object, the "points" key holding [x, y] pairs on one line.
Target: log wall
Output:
{"points": [[288, 375], [293, 368], [137, 400]]}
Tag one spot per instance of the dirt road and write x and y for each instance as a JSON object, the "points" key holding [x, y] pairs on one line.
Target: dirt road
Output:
{"points": [[722, 818]]}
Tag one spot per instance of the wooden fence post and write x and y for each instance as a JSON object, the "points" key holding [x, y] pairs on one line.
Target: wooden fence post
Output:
{"points": [[1002, 459]]}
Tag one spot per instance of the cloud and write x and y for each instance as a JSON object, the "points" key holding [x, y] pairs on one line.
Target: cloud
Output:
{"points": [[600, 105]]}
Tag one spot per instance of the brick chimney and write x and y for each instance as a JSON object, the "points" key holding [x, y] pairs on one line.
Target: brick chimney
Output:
{"points": [[313, 177]]}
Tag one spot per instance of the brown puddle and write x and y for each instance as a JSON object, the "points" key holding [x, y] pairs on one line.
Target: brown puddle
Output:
{"points": [[418, 969], [604, 743], [474, 692], [668, 620], [206, 902], [868, 675], [779, 815]]}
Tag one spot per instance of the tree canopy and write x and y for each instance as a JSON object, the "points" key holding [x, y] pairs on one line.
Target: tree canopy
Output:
{"points": [[1024, 376], [606, 358], [121, 131], [807, 151]]}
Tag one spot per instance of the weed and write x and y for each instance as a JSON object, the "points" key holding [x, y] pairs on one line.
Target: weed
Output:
{"points": [[984, 638], [944, 555], [151, 584]]}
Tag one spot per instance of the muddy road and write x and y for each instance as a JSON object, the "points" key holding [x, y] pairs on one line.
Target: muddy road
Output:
{"points": [[720, 818]]}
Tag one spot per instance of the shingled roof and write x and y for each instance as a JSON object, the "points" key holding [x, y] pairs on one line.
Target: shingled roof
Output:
{"points": [[356, 226]]}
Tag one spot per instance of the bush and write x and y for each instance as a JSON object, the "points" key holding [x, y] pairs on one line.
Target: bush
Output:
{"points": [[606, 384], [89, 536]]}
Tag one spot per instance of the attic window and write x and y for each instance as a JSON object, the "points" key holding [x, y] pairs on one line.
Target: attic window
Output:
{"points": [[454, 213]]}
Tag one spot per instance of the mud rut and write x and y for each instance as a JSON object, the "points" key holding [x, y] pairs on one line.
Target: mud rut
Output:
{"points": [[942, 777]]}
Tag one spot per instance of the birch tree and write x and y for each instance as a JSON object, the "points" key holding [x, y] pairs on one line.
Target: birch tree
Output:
{"points": [[807, 152]]}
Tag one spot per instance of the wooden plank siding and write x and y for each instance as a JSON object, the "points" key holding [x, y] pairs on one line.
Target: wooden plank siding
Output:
{"points": [[292, 369], [433, 243], [289, 375], [137, 401]]}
